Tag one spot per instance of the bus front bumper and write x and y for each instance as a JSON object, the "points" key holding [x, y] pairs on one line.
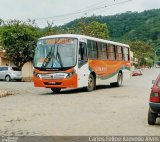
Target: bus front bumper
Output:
{"points": [[56, 83]]}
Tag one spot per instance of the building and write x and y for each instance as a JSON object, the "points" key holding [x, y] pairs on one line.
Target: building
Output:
{"points": [[3, 59], [27, 71], [134, 61]]}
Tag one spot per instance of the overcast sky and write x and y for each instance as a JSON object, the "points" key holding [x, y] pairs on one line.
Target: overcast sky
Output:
{"points": [[63, 11]]}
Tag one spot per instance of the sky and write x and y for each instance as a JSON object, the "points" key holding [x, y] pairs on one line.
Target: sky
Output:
{"points": [[63, 11]]}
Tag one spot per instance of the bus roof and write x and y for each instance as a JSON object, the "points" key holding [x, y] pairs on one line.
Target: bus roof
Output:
{"points": [[86, 37]]}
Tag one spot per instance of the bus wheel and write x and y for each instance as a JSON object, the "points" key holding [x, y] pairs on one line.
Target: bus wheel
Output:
{"points": [[56, 90], [119, 80], [91, 83]]}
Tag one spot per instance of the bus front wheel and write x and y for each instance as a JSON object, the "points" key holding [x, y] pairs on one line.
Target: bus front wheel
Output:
{"points": [[56, 90], [91, 83]]}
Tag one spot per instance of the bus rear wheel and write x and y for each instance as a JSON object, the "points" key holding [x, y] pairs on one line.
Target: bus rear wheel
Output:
{"points": [[91, 83], [56, 90], [119, 81]]}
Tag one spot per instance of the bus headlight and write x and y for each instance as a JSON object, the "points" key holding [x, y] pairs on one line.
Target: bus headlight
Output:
{"points": [[36, 75], [71, 74]]}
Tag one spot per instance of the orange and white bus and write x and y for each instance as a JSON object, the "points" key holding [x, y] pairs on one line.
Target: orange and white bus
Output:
{"points": [[73, 61]]}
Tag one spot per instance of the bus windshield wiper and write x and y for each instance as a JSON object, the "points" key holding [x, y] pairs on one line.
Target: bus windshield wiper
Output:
{"points": [[59, 57], [51, 55], [48, 57]]}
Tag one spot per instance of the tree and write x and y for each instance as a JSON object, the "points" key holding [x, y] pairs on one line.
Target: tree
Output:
{"points": [[94, 29], [49, 30], [19, 40], [143, 52], [1, 29], [1, 22], [98, 30]]}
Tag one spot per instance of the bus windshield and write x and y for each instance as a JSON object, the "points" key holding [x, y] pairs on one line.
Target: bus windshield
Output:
{"points": [[55, 53]]}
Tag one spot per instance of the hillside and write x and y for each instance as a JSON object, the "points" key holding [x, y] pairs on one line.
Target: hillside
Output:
{"points": [[130, 26]]}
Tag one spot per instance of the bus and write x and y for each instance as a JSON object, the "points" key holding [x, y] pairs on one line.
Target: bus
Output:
{"points": [[75, 61]]}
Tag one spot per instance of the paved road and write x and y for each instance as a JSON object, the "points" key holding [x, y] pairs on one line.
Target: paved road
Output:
{"points": [[105, 111]]}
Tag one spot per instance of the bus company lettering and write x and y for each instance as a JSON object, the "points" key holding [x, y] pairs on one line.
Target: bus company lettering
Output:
{"points": [[58, 41], [101, 69]]}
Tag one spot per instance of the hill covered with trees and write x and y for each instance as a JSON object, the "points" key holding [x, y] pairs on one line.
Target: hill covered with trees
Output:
{"points": [[129, 26]]}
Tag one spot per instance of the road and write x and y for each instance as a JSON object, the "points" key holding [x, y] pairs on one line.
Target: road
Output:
{"points": [[105, 111]]}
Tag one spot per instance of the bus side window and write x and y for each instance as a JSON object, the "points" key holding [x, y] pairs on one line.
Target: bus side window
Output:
{"points": [[82, 51], [82, 57], [119, 55], [92, 49], [102, 51], [111, 52], [126, 54]]}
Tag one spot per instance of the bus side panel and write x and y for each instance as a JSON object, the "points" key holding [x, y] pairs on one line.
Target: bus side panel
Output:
{"points": [[107, 71], [100, 81], [126, 74], [83, 75]]}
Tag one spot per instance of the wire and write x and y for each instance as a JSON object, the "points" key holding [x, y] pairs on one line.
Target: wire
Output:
{"points": [[84, 11], [72, 13], [79, 13], [70, 16]]}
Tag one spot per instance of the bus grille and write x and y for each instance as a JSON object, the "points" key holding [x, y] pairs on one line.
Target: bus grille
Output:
{"points": [[53, 76]]}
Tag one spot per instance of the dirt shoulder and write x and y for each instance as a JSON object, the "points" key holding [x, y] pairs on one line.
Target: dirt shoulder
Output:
{"points": [[4, 93]]}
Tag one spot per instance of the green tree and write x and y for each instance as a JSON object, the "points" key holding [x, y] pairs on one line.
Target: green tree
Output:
{"points": [[94, 29], [150, 63], [49, 30], [143, 52], [1, 22], [98, 30], [1, 29], [19, 40]]}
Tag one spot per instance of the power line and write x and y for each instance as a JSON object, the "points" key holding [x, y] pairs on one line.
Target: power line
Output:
{"points": [[72, 13], [83, 11], [69, 16]]}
